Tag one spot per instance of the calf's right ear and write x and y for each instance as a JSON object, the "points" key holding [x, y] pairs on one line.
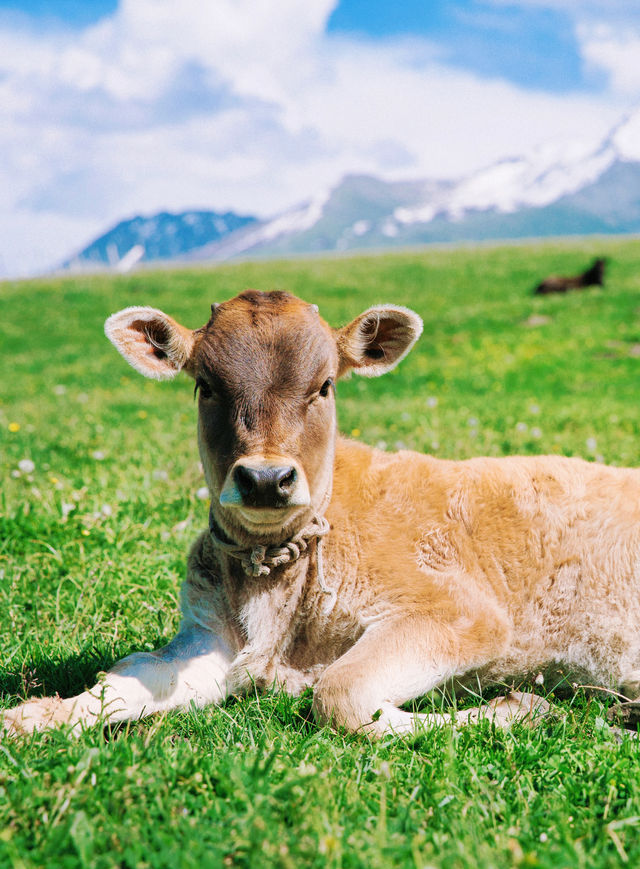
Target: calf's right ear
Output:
{"points": [[377, 340], [152, 342]]}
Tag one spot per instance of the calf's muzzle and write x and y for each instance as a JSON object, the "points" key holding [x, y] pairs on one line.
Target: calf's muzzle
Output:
{"points": [[265, 484]]}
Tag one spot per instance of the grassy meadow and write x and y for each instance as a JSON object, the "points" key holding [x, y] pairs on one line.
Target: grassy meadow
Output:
{"points": [[101, 495]]}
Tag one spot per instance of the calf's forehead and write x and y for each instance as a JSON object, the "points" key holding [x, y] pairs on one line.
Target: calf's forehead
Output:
{"points": [[265, 339]]}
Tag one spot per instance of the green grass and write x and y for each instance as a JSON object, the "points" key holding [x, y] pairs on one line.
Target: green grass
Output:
{"points": [[93, 544]]}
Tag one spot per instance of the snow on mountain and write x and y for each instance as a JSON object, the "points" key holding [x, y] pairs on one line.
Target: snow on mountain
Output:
{"points": [[625, 138], [291, 222], [535, 180]]}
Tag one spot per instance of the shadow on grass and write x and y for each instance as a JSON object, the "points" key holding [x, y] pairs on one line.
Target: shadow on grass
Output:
{"points": [[66, 676]]}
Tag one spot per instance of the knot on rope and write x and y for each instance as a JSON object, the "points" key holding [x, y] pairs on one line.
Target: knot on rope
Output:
{"points": [[259, 560]]}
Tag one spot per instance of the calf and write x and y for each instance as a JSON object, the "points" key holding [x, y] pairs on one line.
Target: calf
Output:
{"points": [[373, 577], [592, 277]]}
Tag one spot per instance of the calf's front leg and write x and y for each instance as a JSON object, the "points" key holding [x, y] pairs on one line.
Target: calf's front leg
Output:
{"points": [[192, 668], [405, 657]]}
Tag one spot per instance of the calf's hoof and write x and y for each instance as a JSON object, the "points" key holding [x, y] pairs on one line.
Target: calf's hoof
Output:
{"points": [[40, 714]]}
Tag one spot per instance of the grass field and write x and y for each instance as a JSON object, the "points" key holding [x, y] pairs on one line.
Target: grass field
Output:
{"points": [[100, 499]]}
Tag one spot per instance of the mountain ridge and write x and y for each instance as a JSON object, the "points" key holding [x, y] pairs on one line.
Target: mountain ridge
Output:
{"points": [[557, 189]]}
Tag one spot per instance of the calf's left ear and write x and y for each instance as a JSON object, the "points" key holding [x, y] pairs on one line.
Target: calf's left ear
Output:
{"points": [[377, 340], [151, 341]]}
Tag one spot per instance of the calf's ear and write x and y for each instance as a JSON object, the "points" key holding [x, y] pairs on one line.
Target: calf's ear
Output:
{"points": [[377, 340], [151, 341]]}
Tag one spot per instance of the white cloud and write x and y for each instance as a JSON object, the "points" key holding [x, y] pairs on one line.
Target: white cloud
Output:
{"points": [[616, 51], [608, 33], [243, 104]]}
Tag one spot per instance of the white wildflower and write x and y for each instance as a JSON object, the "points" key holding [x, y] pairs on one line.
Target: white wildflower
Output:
{"points": [[534, 409], [384, 771], [106, 510], [203, 493], [592, 444], [432, 401], [15, 473], [66, 508], [536, 432], [26, 466], [160, 475], [98, 455], [59, 389], [522, 427], [543, 837]]}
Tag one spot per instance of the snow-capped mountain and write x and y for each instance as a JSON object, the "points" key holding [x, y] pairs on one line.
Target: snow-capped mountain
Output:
{"points": [[258, 233], [162, 236], [559, 189], [538, 179], [358, 212]]}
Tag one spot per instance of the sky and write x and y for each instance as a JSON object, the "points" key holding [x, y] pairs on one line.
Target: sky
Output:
{"points": [[112, 108]]}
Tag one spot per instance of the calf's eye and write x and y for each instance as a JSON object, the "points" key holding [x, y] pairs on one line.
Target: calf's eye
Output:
{"points": [[326, 386]]}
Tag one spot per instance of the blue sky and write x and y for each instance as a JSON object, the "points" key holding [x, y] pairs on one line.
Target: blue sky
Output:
{"points": [[108, 109], [70, 13], [532, 46]]}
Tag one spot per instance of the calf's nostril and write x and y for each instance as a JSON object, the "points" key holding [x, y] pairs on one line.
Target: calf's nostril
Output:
{"points": [[287, 479], [246, 479]]}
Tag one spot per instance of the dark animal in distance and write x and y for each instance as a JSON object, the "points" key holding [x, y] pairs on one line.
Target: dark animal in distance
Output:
{"points": [[592, 277]]}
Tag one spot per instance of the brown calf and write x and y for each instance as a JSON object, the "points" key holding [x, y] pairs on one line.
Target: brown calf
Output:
{"points": [[373, 577], [592, 277]]}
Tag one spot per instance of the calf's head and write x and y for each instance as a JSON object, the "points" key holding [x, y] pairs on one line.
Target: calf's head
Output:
{"points": [[264, 366]]}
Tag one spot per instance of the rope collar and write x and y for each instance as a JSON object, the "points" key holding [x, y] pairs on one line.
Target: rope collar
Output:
{"points": [[259, 560]]}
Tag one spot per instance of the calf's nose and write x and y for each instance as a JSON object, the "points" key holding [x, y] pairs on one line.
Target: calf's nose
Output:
{"points": [[265, 485]]}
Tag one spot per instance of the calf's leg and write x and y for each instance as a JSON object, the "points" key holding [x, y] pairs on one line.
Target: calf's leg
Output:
{"points": [[192, 668], [400, 660]]}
